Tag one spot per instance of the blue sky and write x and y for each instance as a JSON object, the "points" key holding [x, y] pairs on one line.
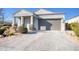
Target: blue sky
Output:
{"points": [[69, 12]]}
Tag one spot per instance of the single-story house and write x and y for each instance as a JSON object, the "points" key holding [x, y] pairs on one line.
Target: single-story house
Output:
{"points": [[40, 20], [73, 19]]}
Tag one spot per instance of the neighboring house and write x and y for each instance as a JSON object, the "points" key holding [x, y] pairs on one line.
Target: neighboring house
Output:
{"points": [[40, 20], [72, 20]]}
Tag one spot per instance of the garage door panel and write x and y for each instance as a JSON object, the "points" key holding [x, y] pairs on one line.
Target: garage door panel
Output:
{"points": [[56, 24], [50, 24]]}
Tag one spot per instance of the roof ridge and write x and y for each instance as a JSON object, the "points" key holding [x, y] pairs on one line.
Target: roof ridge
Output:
{"points": [[21, 10]]}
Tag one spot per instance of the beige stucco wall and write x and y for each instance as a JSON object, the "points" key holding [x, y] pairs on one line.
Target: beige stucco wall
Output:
{"points": [[62, 24], [51, 16]]}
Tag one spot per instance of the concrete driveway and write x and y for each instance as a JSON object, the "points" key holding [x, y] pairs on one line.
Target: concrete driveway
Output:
{"points": [[40, 41]]}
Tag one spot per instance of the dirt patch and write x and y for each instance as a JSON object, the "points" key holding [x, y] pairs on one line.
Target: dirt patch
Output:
{"points": [[73, 36]]}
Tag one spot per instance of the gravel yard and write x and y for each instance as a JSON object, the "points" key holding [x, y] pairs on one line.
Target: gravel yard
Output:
{"points": [[39, 41]]}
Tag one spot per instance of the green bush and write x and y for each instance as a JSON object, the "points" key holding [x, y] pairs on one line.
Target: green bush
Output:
{"points": [[2, 31], [22, 29], [75, 28]]}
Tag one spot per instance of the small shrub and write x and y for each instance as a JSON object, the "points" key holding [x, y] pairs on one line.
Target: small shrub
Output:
{"points": [[12, 29], [2, 31], [9, 32], [75, 28], [22, 29]]}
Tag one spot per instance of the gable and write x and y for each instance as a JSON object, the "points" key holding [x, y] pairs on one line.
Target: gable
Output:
{"points": [[23, 13], [43, 11], [73, 19]]}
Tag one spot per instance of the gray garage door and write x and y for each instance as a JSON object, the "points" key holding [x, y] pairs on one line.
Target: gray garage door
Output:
{"points": [[49, 24]]}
